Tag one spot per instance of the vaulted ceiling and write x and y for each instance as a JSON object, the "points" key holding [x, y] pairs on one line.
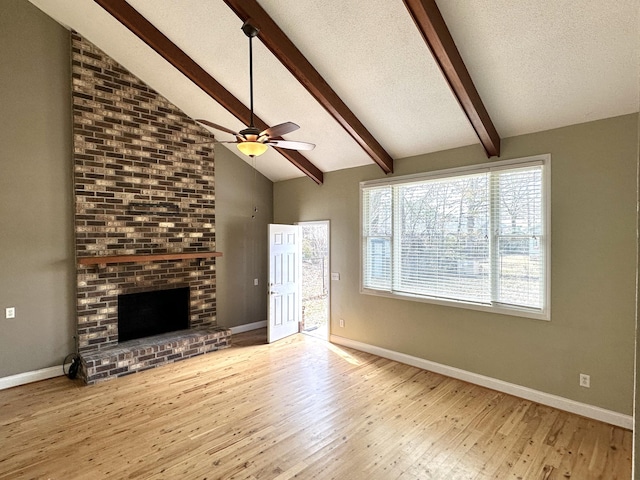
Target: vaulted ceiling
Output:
{"points": [[370, 81]]}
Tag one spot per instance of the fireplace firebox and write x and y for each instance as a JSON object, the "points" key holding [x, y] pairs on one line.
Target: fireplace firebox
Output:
{"points": [[151, 313]]}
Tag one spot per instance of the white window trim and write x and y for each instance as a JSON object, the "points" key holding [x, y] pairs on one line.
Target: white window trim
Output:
{"points": [[543, 159]]}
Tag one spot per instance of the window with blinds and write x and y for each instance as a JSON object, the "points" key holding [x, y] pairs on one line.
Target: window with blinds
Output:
{"points": [[476, 237]]}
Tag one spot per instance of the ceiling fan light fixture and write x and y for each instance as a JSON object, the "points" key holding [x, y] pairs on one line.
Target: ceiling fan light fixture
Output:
{"points": [[252, 149]]}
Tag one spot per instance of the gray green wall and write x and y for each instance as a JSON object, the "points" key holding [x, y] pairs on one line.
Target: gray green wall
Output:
{"points": [[36, 232], [241, 239], [593, 270]]}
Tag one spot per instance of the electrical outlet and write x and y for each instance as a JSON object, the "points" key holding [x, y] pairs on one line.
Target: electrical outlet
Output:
{"points": [[10, 312], [585, 380], [342, 322], [255, 282]]}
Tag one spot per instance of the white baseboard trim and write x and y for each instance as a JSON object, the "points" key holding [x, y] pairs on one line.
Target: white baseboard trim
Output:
{"points": [[561, 403], [248, 327], [29, 377]]}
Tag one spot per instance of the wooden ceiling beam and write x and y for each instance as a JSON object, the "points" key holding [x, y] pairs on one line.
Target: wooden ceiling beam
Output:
{"points": [[435, 32], [148, 33], [289, 55]]}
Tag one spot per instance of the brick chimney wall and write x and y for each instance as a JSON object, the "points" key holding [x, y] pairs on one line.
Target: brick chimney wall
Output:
{"points": [[142, 185]]}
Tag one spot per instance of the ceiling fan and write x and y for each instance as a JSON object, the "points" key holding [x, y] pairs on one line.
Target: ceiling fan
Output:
{"points": [[251, 141]]}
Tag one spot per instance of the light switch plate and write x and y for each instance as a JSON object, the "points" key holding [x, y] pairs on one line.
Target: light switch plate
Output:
{"points": [[335, 276]]}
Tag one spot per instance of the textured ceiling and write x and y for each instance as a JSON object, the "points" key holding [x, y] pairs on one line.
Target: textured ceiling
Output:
{"points": [[536, 64]]}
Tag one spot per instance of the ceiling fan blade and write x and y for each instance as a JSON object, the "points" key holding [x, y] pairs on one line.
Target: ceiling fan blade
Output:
{"points": [[279, 130], [291, 145], [212, 142], [216, 126]]}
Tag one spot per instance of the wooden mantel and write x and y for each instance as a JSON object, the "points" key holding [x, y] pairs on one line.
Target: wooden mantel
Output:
{"points": [[105, 260]]}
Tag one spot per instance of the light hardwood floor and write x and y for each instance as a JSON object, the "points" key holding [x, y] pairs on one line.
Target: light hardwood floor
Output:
{"points": [[300, 408]]}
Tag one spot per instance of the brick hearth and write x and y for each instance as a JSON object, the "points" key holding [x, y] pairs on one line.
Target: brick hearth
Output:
{"points": [[142, 354]]}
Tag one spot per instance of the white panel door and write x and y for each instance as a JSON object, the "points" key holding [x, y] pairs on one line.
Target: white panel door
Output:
{"points": [[285, 306]]}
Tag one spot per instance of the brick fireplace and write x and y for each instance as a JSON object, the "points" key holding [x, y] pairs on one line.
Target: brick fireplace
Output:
{"points": [[143, 185]]}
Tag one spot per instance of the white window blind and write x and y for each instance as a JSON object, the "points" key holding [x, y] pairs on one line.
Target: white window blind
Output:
{"points": [[518, 246], [474, 235], [377, 229]]}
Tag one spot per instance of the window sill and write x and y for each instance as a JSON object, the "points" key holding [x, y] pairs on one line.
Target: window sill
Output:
{"points": [[498, 309]]}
